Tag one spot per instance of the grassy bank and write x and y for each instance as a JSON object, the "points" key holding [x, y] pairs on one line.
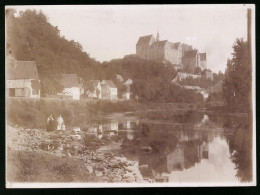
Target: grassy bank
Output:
{"points": [[32, 113], [31, 166]]}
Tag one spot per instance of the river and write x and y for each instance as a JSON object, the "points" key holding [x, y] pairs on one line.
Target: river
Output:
{"points": [[192, 147]]}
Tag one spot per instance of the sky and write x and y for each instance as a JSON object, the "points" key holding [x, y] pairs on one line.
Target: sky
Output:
{"points": [[111, 31]]}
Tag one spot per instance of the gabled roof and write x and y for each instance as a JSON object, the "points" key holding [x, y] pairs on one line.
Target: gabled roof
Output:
{"points": [[128, 82], [203, 56], [159, 44], [162, 43], [109, 83], [144, 40], [189, 54], [69, 80], [21, 70]]}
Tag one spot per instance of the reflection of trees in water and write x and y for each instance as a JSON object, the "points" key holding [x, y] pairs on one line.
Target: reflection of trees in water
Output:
{"points": [[238, 133], [240, 147], [178, 117], [164, 155]]}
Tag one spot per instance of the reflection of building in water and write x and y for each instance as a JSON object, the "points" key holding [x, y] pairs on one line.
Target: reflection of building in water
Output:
{"points": [[92, 130], [190, 135], [192, 147], [204, 150], [114, 126], [100, 128], [205, 118], [130, 124], [99, 136], [130, 135], [175, 160]]}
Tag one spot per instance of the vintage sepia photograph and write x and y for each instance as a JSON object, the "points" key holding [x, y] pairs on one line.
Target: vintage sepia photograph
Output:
{"points": [[130, 95]]}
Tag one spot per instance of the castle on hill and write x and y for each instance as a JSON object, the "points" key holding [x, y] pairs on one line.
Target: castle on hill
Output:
{"points": [[183, 56]]}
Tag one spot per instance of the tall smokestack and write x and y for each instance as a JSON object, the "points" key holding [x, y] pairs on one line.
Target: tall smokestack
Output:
{"points": [[249, 20]]}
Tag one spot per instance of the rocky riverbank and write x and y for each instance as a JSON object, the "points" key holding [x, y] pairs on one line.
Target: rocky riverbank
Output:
{"points": [[101, 166]]}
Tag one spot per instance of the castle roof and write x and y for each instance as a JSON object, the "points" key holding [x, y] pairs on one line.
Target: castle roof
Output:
{"points": [[203, 56], [175, 45], [186, 47], [159, 44], [190, 54], [144, 40], [21, 70]]}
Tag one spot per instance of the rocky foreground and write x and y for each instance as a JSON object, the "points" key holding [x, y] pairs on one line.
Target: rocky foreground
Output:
{"points": [[70, 145]]}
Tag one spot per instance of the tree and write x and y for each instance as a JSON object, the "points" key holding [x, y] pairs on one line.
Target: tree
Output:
{"points": [[238, 77]]}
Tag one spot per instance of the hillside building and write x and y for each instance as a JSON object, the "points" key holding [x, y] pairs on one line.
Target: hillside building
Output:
{"points": [[128, 94], [108, 90], [179, 54], [22, 79], [93, 89], [71, 87]]}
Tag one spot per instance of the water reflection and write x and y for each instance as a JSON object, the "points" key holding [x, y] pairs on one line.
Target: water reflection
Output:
{"points": [[200, 147]]}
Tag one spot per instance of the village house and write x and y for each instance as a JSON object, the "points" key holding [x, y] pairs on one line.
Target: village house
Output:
{"points": [[72, 88], [127, 94], [22, 79], [93, 89], [108, 90], [182, 75]]}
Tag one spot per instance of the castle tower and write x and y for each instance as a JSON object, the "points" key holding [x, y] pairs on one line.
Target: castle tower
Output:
{"points": [[157, 37]]}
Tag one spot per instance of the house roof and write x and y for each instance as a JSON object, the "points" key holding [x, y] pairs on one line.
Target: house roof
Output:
{"points": [[144, 40], [69, 80], [203, 56], [21, 70], [109, 83], [189, 54], [128, 82]]}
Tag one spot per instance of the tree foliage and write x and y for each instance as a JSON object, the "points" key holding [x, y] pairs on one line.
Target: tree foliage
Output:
{"points": [[32, 37], [238, 77]]}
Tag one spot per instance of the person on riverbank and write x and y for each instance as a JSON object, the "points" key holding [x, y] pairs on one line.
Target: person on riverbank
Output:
{"points": [[60, 125], [50, 123]]}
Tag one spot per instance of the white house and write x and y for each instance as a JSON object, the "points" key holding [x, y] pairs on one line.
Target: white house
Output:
{"points": [[181, 75], [109, 90], [93, 89], [22, 79], [127, 94], [71, 86]]}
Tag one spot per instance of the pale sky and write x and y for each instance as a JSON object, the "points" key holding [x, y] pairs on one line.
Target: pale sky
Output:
{"points": [[108, 32]]}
